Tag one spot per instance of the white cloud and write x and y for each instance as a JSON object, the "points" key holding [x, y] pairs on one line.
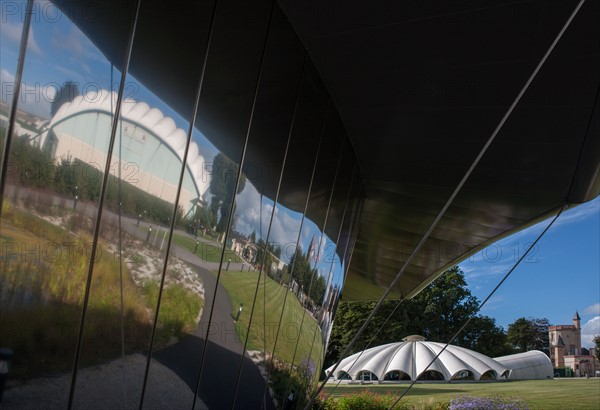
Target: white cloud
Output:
{"points": [[494, 303], [36, 99], [78, 46], [484, 271], [6, 77], [589, 330], [580, 212], [68, 41], [284, 229], [33, 98], [592, 309], [12, 33]]}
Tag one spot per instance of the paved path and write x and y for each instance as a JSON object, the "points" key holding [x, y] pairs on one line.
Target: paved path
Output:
{"points": [[222, 360], [224, 349], [223, 356]]}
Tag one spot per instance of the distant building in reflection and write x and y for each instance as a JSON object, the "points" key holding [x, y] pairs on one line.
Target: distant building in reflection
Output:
{"points": [[312, 250], [149, 145]]}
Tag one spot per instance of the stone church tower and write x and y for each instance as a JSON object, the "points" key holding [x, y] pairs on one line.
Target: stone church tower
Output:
{"points": [[565, 340]]}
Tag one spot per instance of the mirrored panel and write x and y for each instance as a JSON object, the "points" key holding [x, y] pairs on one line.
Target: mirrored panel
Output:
{"points": [[146, 168], [12, 17], [228, 107], [299, 366], [132, 277], [256, 261], [282, 310], [50, 206]]}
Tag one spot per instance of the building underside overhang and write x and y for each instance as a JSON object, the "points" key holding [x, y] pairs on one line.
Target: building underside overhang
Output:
{"points": [[419, 87]]}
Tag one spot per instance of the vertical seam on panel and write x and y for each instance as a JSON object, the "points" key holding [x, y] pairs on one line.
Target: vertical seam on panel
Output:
{"points": [[101, 203], [12, 117]]}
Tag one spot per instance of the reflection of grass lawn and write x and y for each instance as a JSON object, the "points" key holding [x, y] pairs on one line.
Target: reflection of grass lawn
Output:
{"points": [[41, 294], [206, 251], [538, 394], [241, 287]]}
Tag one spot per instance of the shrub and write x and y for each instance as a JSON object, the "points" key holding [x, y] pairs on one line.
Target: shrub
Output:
{"points": [[366, 400], [484, 403], [323, 402], [178, 310]]}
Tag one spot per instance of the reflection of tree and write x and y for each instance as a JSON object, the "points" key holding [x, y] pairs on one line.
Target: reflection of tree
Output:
{"points": [[222, 186], [67, 93], [308, 279]]}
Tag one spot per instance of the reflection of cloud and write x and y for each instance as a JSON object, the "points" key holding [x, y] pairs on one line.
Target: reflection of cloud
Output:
{"points": [[71, 41], [284, 229], [33, 98], [77, 45], [589, 331], [6, 77], [12, 33], [592, 309]]}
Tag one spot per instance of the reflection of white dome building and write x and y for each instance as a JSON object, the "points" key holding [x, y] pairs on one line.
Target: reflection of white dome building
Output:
{"points": [[151, 151], [407, 361]]}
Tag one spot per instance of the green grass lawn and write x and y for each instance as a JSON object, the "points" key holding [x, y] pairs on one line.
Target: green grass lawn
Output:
{"points": [[538, 394], [206, 251], [42, 295], [241, 287]]}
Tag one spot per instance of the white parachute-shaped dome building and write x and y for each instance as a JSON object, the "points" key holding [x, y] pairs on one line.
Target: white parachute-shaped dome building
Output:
{"points": [[409, 360], [148, 145]]}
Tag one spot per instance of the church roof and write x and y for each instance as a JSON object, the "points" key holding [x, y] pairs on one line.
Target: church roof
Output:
{"points": [[576, 317]]}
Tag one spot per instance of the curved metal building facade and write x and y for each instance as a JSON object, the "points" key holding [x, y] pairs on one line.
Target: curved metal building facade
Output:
{"points": [[321, 152]]}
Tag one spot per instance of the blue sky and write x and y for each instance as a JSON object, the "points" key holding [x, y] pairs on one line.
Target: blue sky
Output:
{"points": [[561, 277]]}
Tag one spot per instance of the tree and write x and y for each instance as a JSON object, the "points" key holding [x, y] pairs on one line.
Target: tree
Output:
{"points": [[301, 270], [483, 335], [437, 313], [521, 334], [529, 334], [318, 289], [222, 186], [447, 303], [67, 93], [542, 337]]}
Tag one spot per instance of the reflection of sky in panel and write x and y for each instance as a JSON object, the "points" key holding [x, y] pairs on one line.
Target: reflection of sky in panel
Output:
{"points": [[57, 39], [54, 38], [284, 230], [10, 36]]}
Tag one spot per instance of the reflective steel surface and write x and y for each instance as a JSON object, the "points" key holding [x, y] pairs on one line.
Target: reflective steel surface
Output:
{"points": [[325, 141]]}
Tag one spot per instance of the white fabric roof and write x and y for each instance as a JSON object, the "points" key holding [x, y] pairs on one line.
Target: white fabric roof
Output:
{"points": [[412, 357], [528, 366], [150, 118]]}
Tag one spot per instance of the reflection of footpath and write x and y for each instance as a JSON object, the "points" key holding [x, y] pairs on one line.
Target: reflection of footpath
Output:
{"points": [[114, 385], [105, 387], [222, 359], [224, 348], [223, 354]]}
